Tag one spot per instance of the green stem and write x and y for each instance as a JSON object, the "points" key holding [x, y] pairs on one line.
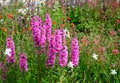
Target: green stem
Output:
{"points": [[39, 67]]}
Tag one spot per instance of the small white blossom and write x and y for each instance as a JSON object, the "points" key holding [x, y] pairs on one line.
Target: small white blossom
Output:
{"points": [[95, 56], [28, 18], [42, 2], [113, 72], [23, 11], [20, 10], [8, 52], [39, 3], [70, 65], [67, 33], [1, 20]]}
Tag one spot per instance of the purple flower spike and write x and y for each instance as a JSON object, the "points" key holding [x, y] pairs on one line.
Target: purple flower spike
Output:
{"points": [[58, 39], [23, 62], [38, 20], [63, 57], [36, 31], [43, 39], [51, 57], [48, 27], [75, 52], [10, 44]]}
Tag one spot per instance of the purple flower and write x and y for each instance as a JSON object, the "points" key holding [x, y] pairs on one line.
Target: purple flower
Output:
{"points": [[36, 36], [43, 39], [75, 52], [48, 27], [10, 44], [51, 52], [58, 39], [63, 57], [23, 62], [38, 20], [36, 26]]}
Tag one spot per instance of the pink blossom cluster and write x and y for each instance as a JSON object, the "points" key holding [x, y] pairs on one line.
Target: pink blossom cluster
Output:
{"points": [[10, 44], [41, 31], [63, 56], [43, 39], [11, 57], [51, 57], [23, 62], [75, 52], [48, 27], [36, 26], [115, 51], [57, 46], [58, 39], [56, 42]]}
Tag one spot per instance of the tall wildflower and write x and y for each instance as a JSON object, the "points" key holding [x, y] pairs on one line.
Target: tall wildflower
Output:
{"points": [[38, 20], [10, 44], [51, 52], [36, 26], [63, 56], [48, 26], [75, 52], [58, 39], [43, 39], [61, 47], [23, 62]]}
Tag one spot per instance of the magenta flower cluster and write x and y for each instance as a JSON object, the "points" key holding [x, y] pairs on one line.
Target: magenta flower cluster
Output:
{"points": [[75, 52], [63, 56], [11, 58], [41, 33], [56, 42], [51, 57], [43, 38], [10, 44], [48, 27], [58, 39], [36, 30], [23, 62]]}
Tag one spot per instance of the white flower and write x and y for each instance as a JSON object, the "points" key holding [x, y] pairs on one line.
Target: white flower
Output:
{"points": [[95, 56], [70, 65], [67, 33], [27, 18], [39, 3], [1, 20], [1, 1], [20, 10], [113, 72], [8, 52], [56, 6], [23, 11], [24, 1], [42, 2]]}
